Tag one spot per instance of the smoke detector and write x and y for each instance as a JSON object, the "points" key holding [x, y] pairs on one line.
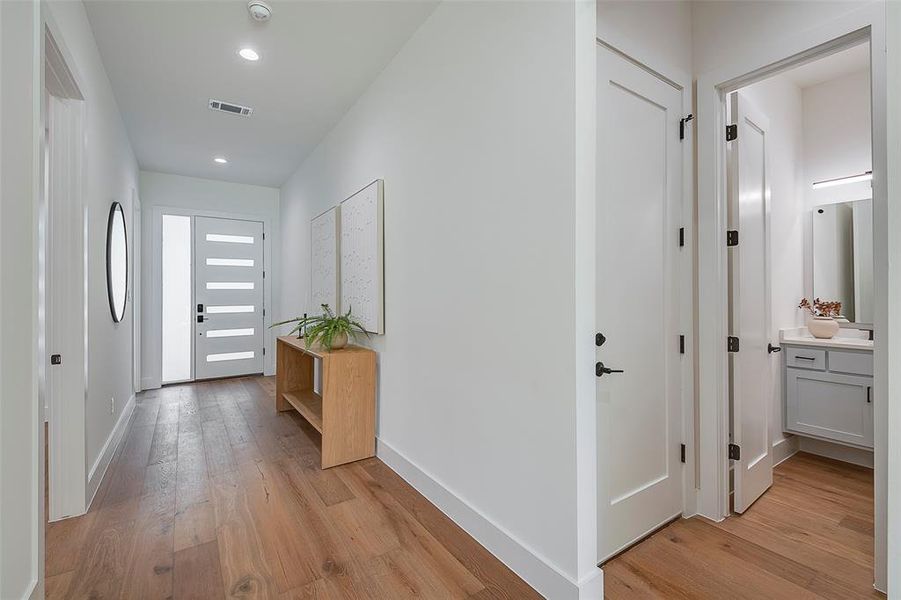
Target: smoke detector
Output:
{"points": [[259, 10]]}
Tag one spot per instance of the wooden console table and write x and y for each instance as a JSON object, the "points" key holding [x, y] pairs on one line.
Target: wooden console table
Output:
{"points": [[345, 412]]}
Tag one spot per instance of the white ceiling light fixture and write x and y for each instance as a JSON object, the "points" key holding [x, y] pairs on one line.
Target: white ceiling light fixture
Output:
{"points": [[249, 54], [259, 10], [220, 160], [827, 183]]}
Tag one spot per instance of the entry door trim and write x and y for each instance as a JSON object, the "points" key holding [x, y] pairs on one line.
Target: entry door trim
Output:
{"points": [[152, 301]]}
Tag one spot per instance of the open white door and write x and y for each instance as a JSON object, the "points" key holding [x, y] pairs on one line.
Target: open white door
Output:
{"points": [[639, 203], [749, 292]]}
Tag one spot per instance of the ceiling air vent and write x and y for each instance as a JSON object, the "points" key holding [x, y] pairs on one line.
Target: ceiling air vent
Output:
{"points": [[227, 107]]}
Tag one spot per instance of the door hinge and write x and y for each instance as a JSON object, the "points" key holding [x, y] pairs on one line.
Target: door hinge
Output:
{"points": [[682, 123], [732, 237], [264, 274], [734, 452], [682, 453], [264, 312], [681, 237], [264, 235], [681, 344], [731, 132], [732, 343], [57, 359], [264, 351]]}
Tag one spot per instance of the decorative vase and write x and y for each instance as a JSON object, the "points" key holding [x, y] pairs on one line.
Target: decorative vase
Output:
{"points": [[824, 328], [339, 341]]}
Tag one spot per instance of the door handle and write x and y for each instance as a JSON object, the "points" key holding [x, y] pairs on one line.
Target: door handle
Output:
{"points": [[771, 348], [200, 318], [868, 394], [600, 370]]}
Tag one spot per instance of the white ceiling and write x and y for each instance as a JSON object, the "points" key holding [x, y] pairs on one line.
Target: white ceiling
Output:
{"points": [[167, 59], [856, 58]]}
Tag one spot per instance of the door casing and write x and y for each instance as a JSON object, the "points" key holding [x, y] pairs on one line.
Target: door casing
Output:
{"points": [[152, 274]]}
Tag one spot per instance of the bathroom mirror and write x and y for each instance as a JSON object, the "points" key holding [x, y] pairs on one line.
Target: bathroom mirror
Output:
{"points": [[843, 257], [116, 261]]}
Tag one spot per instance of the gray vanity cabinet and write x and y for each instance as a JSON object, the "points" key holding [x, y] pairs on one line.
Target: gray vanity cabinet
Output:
{"points": [[829, 394]]}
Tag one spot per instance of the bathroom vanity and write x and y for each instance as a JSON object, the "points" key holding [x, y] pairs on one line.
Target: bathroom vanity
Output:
{"points": [[828, 386]]}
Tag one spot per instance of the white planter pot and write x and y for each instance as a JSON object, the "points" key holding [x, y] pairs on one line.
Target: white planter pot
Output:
{"points": [[824, 328]]}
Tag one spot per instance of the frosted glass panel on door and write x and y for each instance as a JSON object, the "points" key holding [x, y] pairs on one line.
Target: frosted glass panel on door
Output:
{"points": [[176, 272]]}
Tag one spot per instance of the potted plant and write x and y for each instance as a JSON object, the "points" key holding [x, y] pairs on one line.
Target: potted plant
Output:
{"points": [[328, 330], [821, 323]]}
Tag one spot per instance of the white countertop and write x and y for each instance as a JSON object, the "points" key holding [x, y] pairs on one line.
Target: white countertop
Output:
{"points": [[849, 339]]}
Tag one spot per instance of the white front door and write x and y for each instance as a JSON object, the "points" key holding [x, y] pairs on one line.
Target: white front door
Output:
{"points": [[228, 291], [749, 315], [639, 183]]}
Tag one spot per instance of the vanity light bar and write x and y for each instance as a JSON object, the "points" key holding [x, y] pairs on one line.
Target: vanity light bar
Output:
{"points": [[843, 180]]}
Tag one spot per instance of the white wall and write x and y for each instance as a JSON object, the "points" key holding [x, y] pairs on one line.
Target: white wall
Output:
{"points": [[191, 195], [656, 33], [21, 531], [837, 137], [725, 31], [472, 127], [110, 174], [780, 99]]}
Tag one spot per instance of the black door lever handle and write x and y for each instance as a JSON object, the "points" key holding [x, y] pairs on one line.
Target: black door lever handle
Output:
{"points": [[600, 370], [771, 348]]}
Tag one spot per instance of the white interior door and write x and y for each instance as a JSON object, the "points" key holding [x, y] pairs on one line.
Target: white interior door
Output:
{"points": [[228, 292], [749, 319], [638, 218]]}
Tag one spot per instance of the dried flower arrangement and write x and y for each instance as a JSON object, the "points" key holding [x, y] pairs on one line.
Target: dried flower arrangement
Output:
{"points": [[821, 308]]}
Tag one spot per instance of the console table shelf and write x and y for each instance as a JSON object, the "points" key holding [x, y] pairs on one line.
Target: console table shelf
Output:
{"points": [[345, 411]]}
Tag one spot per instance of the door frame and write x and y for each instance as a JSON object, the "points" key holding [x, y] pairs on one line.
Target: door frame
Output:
{"points": [[759, 62], [153, 310], [681, 81], [67, 473]]}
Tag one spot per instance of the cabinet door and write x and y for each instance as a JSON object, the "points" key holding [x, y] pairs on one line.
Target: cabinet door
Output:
{"points": [[830, 406]]}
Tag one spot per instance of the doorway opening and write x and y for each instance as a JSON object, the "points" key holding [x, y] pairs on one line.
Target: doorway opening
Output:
{"points": [[212, 297]]}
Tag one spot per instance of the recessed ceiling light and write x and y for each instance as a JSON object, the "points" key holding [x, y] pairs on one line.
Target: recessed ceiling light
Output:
{"points": [[248, 54], [220, 159]]}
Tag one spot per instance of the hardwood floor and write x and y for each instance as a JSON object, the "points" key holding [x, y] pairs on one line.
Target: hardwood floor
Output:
{"points": [[809, 536], [212, 494]]}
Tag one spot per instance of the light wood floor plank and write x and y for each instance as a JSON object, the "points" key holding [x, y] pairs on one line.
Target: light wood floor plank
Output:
{"points": [[809, 536]]}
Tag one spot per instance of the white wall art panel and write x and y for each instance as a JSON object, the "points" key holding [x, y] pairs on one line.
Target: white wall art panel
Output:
{"points": [[362, 257], [325, 264]]}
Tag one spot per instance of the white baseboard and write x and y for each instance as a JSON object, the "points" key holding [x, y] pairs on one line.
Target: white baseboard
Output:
{"points": [[98, 469], [537, 571], [855, 456], [149, 383], [785, 449]]}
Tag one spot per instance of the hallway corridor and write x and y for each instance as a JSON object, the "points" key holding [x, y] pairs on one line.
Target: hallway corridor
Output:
{"points": [[212, 494]]}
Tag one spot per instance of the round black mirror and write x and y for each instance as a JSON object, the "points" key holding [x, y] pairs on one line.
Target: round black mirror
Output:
{"points": [[116, 261]]}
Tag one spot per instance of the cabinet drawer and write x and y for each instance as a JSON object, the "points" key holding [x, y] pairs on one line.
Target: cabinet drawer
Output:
{"points": [[805, 358], [855, 363]]}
